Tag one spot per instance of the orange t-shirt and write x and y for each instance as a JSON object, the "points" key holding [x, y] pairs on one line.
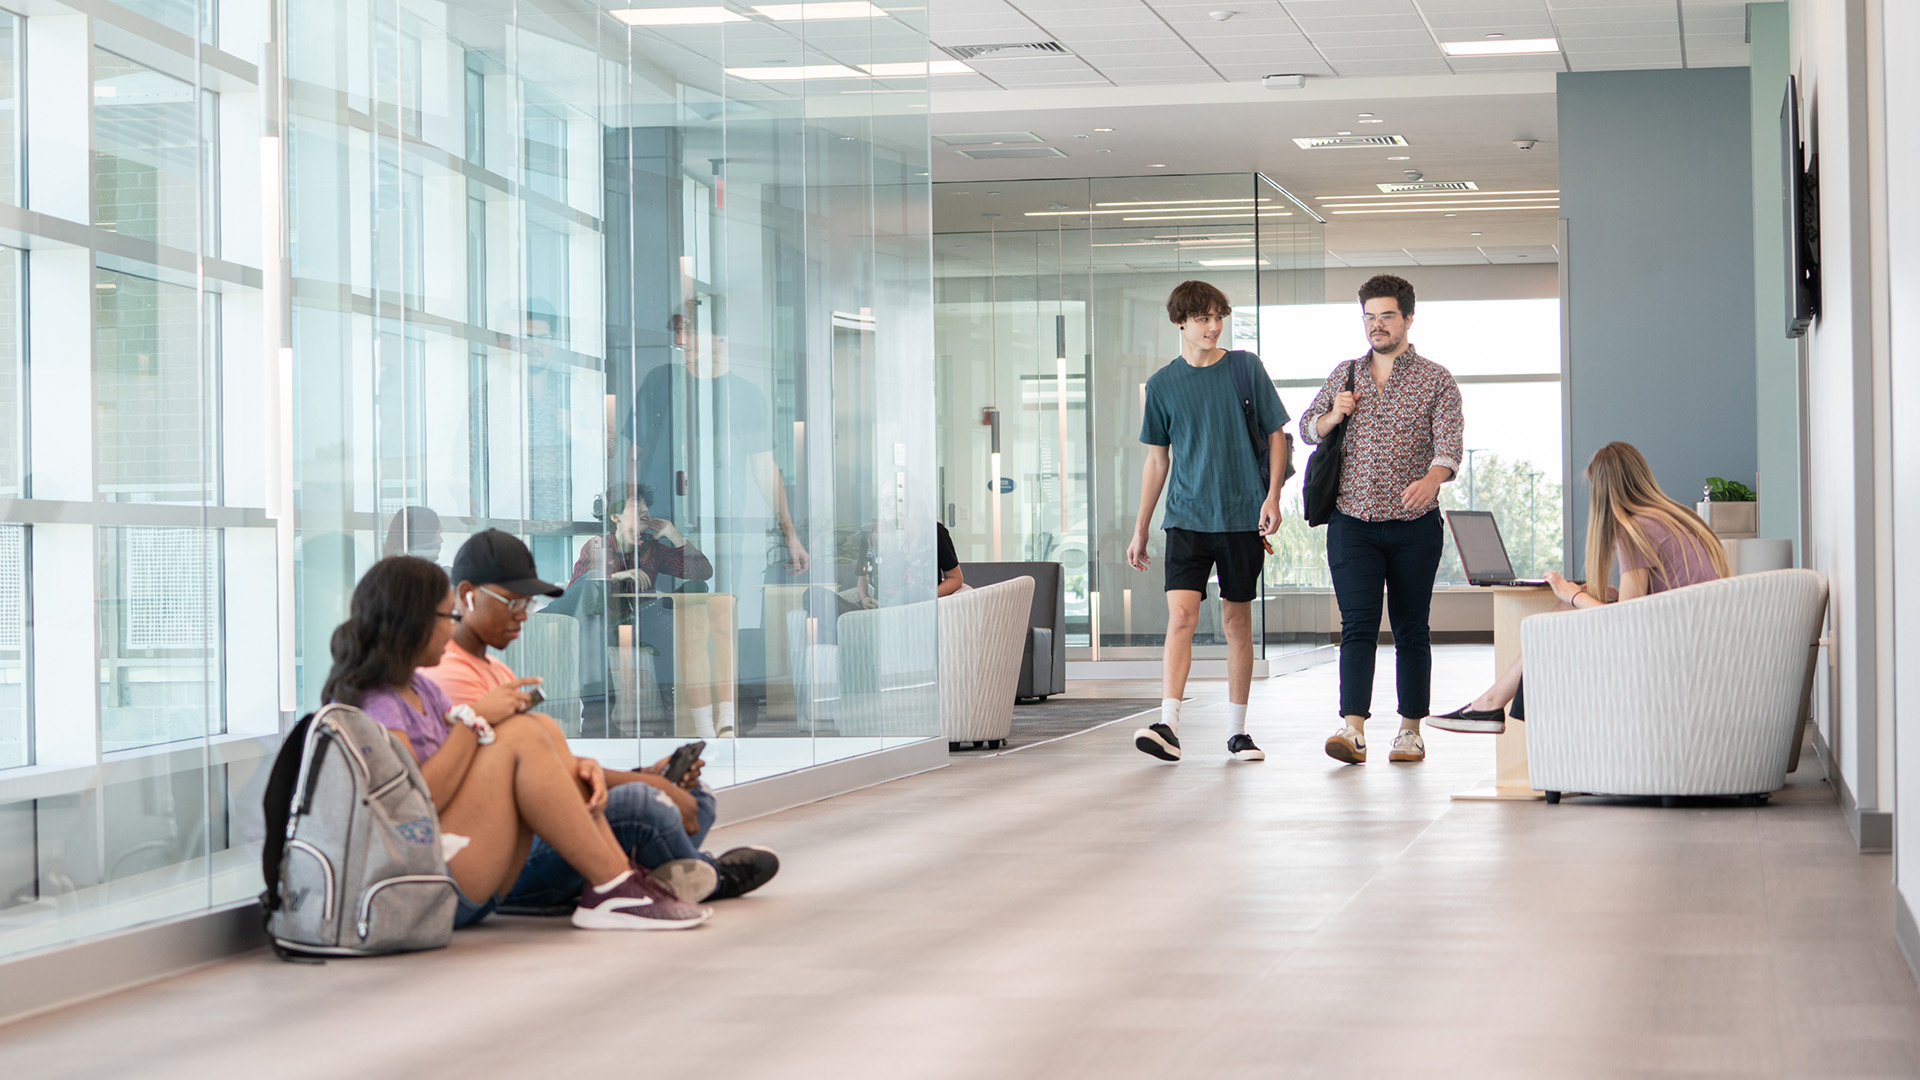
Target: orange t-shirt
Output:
{"points": [[466, 678]]}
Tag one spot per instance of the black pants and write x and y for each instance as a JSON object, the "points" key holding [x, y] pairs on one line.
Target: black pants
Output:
{"points": [[1402, 557]]}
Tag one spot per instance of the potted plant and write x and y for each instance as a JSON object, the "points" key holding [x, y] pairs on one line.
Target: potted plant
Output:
{"points": [[1730, 509]]}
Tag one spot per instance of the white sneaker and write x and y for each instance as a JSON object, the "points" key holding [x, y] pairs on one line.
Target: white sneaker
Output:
{"points": [[1408, 746], [1347, 745]]}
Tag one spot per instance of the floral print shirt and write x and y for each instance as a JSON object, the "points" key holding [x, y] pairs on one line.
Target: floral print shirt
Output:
{"points": [[1396, 433]]}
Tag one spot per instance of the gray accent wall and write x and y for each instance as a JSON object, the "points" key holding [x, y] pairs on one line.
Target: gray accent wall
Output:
{"points": [[1655, 184]]}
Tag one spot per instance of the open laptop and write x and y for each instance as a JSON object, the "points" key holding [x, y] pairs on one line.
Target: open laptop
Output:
{"points": [[1483, 555]]}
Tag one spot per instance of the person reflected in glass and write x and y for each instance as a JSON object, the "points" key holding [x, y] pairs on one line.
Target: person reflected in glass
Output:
{"points": [[498, 778], [1658, 544], [660, 824], [645, 549], [414, 531]]}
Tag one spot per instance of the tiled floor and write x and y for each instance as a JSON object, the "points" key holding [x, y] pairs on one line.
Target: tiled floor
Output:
{"points": [[1075, 910]]}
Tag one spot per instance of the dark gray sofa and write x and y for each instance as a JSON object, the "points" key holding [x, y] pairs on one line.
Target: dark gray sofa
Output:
{"points": [[1043, 664]]}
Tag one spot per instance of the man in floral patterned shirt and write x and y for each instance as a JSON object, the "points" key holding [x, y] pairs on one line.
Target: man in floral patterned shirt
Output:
{"points": [[1403, 441]]}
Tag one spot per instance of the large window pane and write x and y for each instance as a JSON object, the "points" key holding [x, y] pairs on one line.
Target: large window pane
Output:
{"points": [[12, 374], [159, 646], [10, 71], [15, 747], [150, 386], [146, 152]]}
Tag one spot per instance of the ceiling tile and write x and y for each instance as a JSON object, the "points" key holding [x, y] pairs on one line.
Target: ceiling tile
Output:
{"points": [[1447, 256], [1373, 39]]}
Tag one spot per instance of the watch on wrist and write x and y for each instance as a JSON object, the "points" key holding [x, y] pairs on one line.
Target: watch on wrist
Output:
{"points": [[464, 714]]}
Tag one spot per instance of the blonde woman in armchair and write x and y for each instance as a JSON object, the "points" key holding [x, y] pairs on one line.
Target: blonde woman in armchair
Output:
{"points": [[1658, 543]]}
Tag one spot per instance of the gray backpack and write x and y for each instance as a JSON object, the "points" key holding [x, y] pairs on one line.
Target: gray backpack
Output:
{"points": [[352, 856]]}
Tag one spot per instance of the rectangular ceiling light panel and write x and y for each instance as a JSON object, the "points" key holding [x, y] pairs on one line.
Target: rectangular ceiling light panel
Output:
{"points": [[1003, 153], [989, 138], [835, 9], [1350, 142], [1501, 47], [676, 16]]}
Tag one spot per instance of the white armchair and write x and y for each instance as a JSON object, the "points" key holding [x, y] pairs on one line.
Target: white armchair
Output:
{"points": [[983, 633], [1696, 691]]}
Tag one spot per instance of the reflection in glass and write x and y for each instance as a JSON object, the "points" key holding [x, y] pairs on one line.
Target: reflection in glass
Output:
{"points": [[12, 375], [15, 745], [146, 152], [10, 71]]}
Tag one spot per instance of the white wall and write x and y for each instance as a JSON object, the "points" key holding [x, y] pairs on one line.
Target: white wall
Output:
{"points": [[1831, 58], [1901, 35]]}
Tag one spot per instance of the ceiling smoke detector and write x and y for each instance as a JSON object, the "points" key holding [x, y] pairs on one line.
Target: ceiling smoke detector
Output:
{"points": [[1411, 174]]}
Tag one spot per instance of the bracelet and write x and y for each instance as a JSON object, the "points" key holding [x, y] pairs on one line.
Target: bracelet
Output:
{"points": [[464, 714]]}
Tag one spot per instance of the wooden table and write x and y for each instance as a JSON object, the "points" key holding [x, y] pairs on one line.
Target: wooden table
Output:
{"points": [[1511, 604]]}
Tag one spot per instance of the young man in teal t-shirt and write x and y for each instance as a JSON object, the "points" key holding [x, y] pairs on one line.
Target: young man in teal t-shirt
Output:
{"points": [[1219, 507]]}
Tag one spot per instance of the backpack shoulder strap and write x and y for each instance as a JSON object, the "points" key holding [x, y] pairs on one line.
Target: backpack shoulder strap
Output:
{"points": [[277, 806], [1242, 381]]}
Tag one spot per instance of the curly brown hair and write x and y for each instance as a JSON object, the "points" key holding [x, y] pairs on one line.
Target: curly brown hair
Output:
{"points": [[1191, 298], [1383, 285]]}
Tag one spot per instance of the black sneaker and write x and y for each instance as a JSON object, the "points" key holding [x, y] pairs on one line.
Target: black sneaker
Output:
{"points": [[1158, 740], [743, 870], [1471, 721], [1241, 746]]}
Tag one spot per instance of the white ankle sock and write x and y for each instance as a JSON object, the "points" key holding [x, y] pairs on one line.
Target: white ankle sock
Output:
{"points": [[1170, 713], [614, 884], [723, 718], [703, 721], [1236, 719]]}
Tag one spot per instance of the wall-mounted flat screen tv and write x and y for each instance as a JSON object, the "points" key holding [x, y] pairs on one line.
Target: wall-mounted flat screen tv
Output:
{"points": [[1800, 218]]}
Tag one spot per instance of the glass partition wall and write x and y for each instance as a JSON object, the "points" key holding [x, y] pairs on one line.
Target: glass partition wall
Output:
{"points": [[1050, 315], [339, 280]]}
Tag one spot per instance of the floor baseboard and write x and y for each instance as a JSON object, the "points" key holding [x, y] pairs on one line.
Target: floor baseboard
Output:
{"points": [[1872, 829]]}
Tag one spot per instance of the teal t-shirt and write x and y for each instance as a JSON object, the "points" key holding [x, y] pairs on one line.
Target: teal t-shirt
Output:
{"points": [[1213, 482]]}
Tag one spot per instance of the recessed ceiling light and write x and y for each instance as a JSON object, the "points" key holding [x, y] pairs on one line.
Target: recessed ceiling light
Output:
{"points": [[1507, 47], [1450, 215], [913, 68], [1473, 234], [1401, 157], [676, 16], [1365, 114], [796, 74], [1373, 121], [1156, 166], [1343, 133], [1496, 34], [1103, 129], [834, 9]]}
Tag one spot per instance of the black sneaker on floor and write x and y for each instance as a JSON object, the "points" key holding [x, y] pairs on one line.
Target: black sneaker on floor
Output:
{"points": [[743, 870], [1242, 748], [1158, 740]]}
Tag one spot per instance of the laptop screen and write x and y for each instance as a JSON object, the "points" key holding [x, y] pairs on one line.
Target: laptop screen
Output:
{"points": [[1476, 536]]}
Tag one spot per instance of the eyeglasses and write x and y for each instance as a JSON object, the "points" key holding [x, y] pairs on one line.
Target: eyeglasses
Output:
{"points": [[1385, 317], [515, 606], [450, 616]]}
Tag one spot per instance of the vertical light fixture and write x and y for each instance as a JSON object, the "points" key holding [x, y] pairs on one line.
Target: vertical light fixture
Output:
{"points": [[991, 416], [1060, 362]]}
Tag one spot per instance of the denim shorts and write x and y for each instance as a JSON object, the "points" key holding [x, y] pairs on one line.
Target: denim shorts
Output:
{"points": [[469, 912]]}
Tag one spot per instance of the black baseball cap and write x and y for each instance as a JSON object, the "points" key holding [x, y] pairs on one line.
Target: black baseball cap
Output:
{"points": [[497, 558]]}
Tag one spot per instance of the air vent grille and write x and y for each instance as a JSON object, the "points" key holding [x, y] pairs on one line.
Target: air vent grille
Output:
{"points": [[1350, 142], [989, 138], [1009, 51], [1429, 185], [1005, 153]]}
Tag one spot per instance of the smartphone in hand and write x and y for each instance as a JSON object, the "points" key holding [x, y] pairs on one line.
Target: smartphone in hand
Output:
{"points": [[682, 760], [534, 697]]}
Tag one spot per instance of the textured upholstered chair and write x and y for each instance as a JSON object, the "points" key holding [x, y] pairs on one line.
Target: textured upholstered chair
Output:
{"points": [[1043, 663], [982, 635], [1696, 691]]}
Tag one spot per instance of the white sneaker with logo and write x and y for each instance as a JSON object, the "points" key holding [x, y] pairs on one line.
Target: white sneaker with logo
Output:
{"points": [[1408, 746]]}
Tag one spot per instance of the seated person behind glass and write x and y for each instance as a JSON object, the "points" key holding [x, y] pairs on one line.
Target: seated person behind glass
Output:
{"points": [[644, 548], [910, 585]]}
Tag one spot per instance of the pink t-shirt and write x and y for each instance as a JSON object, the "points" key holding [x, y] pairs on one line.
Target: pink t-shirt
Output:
{"points": [[1687, 562], [465, 677]]}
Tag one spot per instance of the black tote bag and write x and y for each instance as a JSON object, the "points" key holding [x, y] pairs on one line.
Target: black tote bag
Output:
{"points": [[1322, 486]]}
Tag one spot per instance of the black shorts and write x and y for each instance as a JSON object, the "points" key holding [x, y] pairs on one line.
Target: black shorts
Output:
{"points": [[1192, 557]]}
